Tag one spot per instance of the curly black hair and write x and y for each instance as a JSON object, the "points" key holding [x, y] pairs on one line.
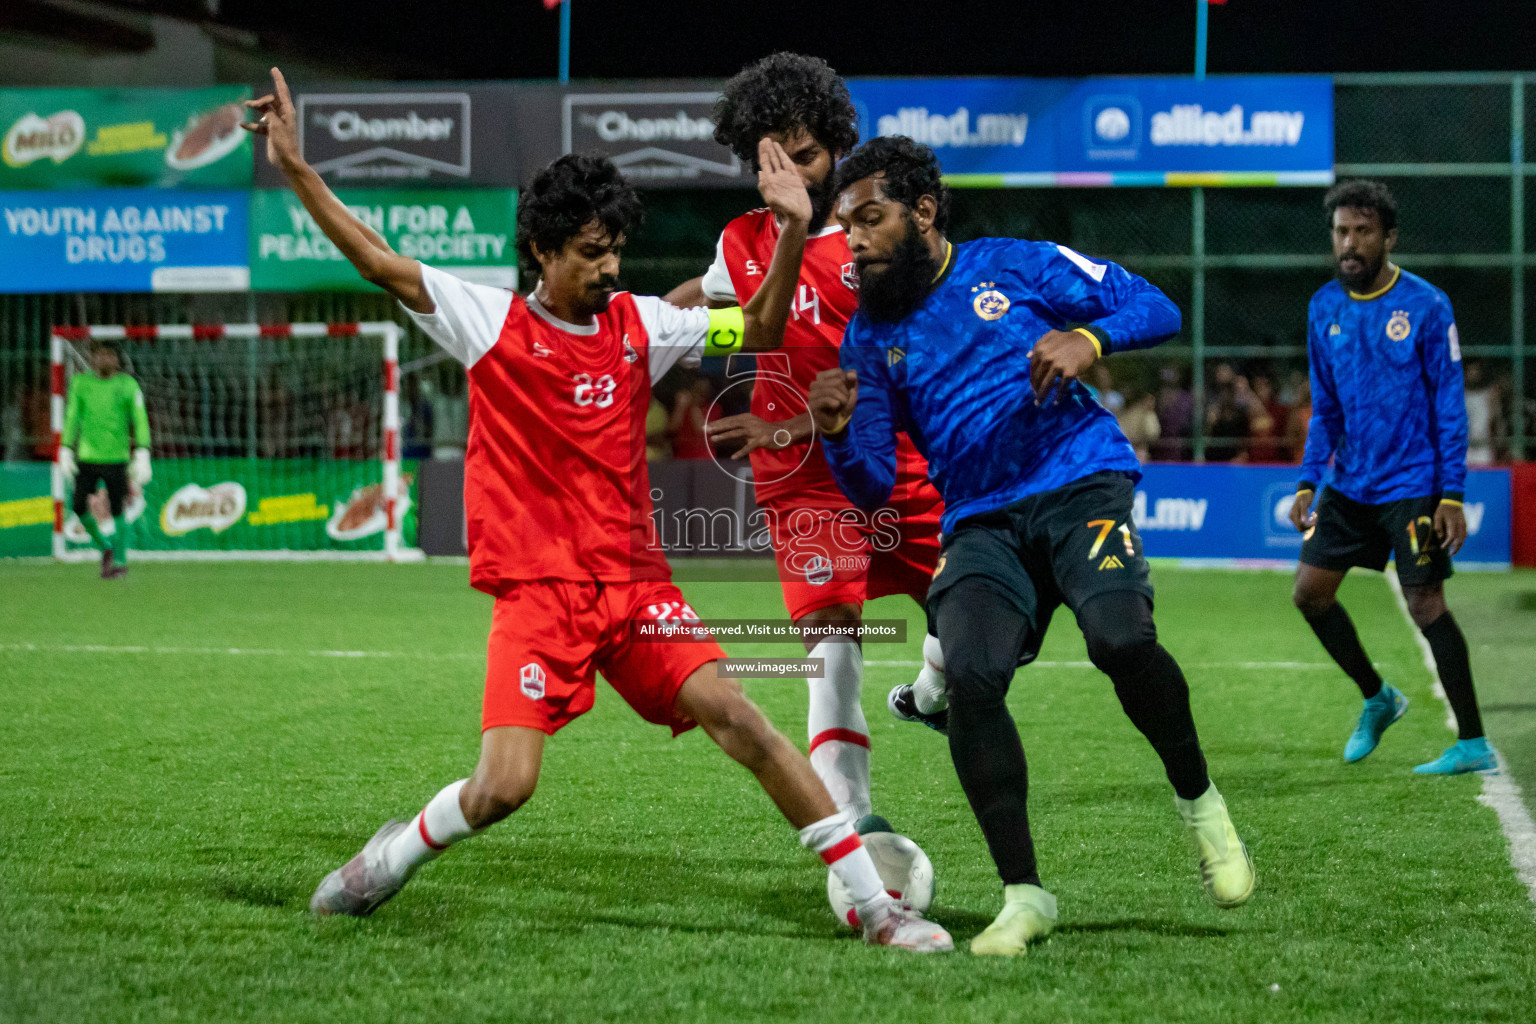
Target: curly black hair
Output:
{"points": [[1363, 195], [568, 195], [911, 172], [782, 93]]}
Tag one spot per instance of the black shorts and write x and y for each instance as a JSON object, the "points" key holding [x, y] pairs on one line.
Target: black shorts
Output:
{"points": [[1060, 547], [1349, 533], [89, 474]]}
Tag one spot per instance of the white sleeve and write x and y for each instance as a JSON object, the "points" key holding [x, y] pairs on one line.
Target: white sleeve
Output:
{"points": [[676, 335], [717, 279], [468, 317]]}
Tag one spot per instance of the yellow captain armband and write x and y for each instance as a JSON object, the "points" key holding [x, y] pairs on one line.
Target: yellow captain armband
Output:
{"points": [[727, 332]]}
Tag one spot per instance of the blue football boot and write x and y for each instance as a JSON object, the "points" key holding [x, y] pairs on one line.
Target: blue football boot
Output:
{"points": [[1461, 757], [1379, 712]]}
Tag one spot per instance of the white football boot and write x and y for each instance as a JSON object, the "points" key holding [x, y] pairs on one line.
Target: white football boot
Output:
{"points": [[893, 923], [364, 883]]}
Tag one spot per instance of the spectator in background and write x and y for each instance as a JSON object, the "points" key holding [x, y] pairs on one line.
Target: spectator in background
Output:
{"points": [[1102, 387], [1296, 422], [1480, 415], [13, 428], [1138, 421], [1233, 416], [1175, 416], [38, 418], [658, 445], [416, 418], [450, 414], [1268, 430], [691, 409]]}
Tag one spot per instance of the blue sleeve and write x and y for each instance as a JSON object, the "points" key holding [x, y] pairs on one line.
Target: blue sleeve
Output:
{"points": [[863, 459], [1327, 424], [1123, 311], [1440, 351]]}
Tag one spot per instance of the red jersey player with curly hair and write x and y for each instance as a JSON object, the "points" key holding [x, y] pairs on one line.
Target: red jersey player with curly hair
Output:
{"points": [[558, 501], [831, 556]]}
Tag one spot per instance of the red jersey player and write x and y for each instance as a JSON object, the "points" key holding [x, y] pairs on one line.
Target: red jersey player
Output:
{"points": [[558, 502], [831, 556]]}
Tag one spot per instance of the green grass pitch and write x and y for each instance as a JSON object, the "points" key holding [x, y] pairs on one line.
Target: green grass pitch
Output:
{"points": [[169, 810]]}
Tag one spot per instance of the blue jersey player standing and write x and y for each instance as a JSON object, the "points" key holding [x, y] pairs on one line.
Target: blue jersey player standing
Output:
{"points": [[974, 350], [1388, 408]]}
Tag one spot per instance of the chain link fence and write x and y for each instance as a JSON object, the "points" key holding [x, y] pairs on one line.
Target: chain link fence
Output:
{"points": [[1241, 263]]}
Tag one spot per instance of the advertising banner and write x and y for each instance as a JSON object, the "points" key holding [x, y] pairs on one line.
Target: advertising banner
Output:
{"points": [[1230, 130], [471, 233], [90, 138], [362, 135], [1234, 513], [655, 134], [26, 510], [123, 240], [257, 505]]}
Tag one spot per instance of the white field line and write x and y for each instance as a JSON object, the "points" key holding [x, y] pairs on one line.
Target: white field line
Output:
{"points": [[1500, 791], [238, 651]]}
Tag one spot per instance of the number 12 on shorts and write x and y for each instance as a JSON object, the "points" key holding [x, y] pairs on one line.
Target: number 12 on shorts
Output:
{"points": [[1105, 527]]}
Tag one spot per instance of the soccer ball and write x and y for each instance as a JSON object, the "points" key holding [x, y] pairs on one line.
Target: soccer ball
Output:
{"points": [[904, 868]]}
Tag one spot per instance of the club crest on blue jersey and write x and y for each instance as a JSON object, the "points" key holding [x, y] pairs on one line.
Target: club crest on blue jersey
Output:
{"points": [[1334, 329], [990, 304], [1398, 327]]}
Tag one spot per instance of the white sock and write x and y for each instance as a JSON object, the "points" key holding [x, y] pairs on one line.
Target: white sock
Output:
{"points": [[834, 839], [839, 734], [928, 691], [439, 825]]}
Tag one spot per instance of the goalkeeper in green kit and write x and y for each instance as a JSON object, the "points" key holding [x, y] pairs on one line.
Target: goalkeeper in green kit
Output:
{"points": [[104, 406]]}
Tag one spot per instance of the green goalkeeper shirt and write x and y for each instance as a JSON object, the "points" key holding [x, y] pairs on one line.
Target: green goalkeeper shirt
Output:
{"points": [[99, 415]]}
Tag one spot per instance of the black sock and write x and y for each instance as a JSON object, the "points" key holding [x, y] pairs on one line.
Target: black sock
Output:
{"points": [[1450, 650], [989, 759], [1156, 700], [1122, 643], [1342, 643]]}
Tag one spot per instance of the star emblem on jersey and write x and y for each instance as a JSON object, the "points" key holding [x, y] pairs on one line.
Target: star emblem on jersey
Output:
{"points": [[1398, 327], [990, 304], [851, 276]]}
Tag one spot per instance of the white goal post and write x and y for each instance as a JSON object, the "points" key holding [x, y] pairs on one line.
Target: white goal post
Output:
{"points": [[263, 408]]}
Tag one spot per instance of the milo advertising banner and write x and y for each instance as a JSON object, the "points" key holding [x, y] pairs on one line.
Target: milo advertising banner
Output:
{"points": [[254, 505], [91, 138], [469, 232]]}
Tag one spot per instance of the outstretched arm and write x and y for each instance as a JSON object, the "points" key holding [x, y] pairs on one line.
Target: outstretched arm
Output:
{"points": [[370, 254]]}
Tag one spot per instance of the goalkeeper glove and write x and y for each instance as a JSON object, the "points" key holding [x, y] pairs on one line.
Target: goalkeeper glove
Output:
{"points": [[138, 470], [67, 463]]}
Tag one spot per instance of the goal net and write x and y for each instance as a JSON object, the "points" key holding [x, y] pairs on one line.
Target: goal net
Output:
{"points": [[267, 441]]}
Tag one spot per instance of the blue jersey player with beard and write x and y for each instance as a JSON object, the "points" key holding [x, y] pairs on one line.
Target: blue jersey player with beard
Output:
{"points": [[975, 351], [1389, 409]]}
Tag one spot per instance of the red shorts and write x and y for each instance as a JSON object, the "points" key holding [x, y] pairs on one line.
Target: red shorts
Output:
{"points": [[840, 555], [550, 638]]}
